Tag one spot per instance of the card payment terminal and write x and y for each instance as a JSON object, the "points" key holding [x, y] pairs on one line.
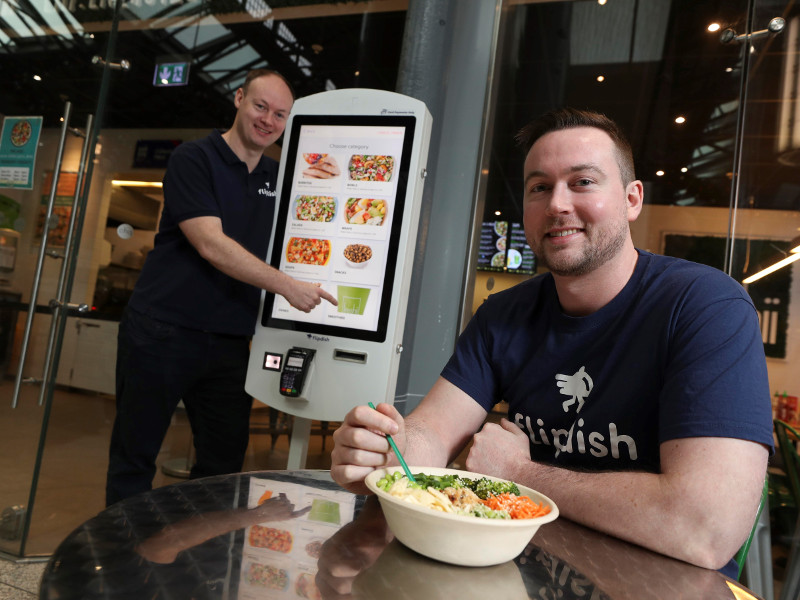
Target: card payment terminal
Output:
{"points": [[295, 370]]}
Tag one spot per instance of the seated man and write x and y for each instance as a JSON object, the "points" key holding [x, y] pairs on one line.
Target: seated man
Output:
{"points": [[636, 383]]}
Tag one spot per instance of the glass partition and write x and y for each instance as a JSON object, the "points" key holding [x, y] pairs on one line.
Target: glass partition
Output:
{"points": [[707, 93], [154, 73]]}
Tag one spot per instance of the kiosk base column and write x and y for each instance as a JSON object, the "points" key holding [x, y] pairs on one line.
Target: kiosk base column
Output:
{"points": [[298, 445]]}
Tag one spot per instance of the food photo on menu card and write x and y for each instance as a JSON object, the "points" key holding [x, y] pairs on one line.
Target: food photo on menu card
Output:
{"points": [[280, 557]]}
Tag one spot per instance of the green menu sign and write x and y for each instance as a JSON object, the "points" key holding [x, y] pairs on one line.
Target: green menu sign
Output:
{"points": [[19, 140], [171, 73]]}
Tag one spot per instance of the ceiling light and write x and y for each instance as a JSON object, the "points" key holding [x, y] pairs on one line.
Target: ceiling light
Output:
{"points": [[497, 213], [771, 269], [131, 183], [37, 78], [729, 70], [680, 120], [602, 2], [714, 27], [600, 78], [358, 73], [684, 169], [794, 254], [660, 173]]}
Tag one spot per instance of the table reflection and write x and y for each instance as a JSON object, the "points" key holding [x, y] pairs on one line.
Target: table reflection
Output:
{"points": [[294, 535]]}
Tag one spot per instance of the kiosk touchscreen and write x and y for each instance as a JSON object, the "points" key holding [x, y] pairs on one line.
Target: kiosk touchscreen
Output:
{"points": [[349, 189]]}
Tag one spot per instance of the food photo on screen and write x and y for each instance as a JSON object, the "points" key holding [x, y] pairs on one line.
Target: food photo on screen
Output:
{"points": [[320, 166], [371, 167], [357, 255], [365, 211], [316, 209], [352, 300], [308, 251]]}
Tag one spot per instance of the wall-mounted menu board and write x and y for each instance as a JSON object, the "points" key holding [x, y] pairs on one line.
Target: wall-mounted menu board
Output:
{"points": [[503, 248]]}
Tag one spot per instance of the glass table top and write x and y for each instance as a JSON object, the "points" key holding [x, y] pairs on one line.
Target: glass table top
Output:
{"points": [[296, 534]]}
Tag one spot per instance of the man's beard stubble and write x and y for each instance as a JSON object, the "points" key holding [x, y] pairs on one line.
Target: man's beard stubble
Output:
{"points": [[594, 254]]}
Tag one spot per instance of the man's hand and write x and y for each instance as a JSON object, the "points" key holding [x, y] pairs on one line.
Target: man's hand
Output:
{"points": [[278, 508], [499, 450], [306, 296], [361, 445]]}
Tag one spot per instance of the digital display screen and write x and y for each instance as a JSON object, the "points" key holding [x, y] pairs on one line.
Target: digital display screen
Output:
{"points": [[294, 361], [503, 248], [339, 220]]}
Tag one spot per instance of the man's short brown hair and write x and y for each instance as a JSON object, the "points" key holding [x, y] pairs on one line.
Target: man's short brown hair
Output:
{"points": [[256, 73], [569, 118]]}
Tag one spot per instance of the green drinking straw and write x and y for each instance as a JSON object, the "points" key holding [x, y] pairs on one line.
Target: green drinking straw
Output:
{"points": [[396, 451]]}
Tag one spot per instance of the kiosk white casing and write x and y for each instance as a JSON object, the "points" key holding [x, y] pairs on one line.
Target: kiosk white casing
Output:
{"points": [[346, 369]]}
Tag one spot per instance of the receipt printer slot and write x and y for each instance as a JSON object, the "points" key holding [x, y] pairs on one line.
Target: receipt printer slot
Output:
{"points": [[350, 356], [295, 371]]}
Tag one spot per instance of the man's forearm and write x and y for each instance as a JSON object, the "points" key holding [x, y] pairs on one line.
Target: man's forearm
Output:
{"points": [[670, 515], [230, 257]]}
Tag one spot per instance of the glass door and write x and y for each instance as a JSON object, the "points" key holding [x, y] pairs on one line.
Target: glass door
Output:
{"points": [[53, 69], [707, 92], [765, 225], [153, 74]]}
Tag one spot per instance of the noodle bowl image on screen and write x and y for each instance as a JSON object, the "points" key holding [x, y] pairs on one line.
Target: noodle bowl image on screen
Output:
{"points": [[352, 300]]}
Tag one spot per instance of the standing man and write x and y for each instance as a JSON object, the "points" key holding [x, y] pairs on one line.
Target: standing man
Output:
{"points": [[185, 334], [636, 383]]}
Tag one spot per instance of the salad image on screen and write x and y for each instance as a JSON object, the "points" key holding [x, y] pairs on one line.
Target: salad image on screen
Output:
{"points": [[371, 167], [308, 251], [365, 211], [267, 576], [320, 209]]}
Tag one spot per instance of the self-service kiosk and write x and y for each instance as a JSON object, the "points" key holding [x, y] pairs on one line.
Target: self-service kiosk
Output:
{"points": [[349, 190]]}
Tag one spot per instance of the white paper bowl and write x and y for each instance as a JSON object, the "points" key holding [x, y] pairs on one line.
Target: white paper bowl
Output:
{"points": [[457, 539]]}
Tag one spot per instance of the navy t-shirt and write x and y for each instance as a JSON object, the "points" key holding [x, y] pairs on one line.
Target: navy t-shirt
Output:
{"points": [[677, 353], [205, 178]]}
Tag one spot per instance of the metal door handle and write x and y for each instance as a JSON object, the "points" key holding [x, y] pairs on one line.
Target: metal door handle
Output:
{"points": [[123, 65], [42, 249], [60, 301], [775, 26]]}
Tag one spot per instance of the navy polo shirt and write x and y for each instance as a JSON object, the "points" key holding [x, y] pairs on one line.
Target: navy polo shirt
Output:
{"points": [[176, 285]]}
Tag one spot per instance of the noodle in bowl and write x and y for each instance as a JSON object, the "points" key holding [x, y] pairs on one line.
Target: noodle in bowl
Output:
{"points": [[454, 538]]}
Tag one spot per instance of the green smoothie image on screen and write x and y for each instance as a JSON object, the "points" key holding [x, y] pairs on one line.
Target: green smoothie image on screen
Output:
{"points": [[326, 511], [352, 300]]}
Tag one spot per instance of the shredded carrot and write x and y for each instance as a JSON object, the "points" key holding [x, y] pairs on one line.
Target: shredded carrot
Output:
{"points": [[519, 507]]}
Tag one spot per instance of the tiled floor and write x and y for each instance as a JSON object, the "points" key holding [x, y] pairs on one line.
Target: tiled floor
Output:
{"points": [[71, 479], [20, 581]]}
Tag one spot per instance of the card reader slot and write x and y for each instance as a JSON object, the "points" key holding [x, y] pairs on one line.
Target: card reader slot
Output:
{"points": [[350, 356]]}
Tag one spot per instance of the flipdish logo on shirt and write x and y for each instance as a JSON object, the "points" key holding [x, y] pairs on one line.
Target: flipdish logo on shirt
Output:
{"points": [[577, 387], [265, 191]]}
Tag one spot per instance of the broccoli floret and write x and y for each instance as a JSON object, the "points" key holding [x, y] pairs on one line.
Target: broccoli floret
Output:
{"points": [[486, 487]]}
